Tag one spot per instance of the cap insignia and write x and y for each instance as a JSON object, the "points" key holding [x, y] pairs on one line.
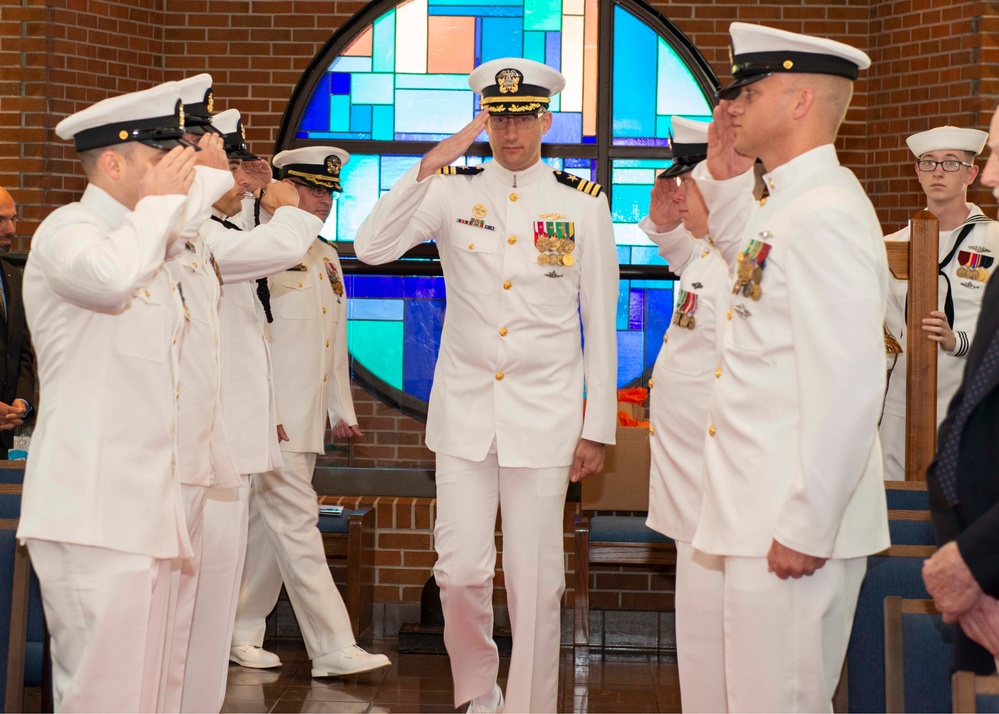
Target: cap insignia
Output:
{"points": [[333, 165], [123, 135], [210, 101], [509, 80], [180, 113]]}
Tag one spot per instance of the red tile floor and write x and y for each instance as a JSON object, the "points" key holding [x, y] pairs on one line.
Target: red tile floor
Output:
{"points": [[602, 682]]}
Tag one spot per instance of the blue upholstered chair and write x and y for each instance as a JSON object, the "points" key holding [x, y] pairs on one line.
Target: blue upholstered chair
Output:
{"points": [[613, 540], [912, 532], [898, 573], [907, 496], [972, 693], [22, 631], [918, 647]]}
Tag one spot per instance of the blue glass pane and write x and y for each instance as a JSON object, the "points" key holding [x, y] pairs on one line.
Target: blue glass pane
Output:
{"points": [[501, 37], [567, 128], [362, 309], [375, 286], [658, 313], [317, 113], [623, 305], [636, 309], [430, 288], [553, 49], [630, 357], [339, 83], [360, 119], [634, 101], [419, 111], [424, 321]]}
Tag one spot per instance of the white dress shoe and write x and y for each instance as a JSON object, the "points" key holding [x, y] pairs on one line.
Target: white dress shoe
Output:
{"points": [[253, 656], [349, 660], [491, 703]]}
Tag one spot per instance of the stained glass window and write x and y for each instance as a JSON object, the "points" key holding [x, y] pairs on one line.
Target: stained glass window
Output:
{"points": [[393, 81]]}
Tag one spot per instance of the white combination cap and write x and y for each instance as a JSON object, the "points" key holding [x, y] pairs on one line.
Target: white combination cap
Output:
{"points": [[199, 103], [513, 85], [689, 142], [154, 117], [230, 125], [758, 51], [315, 165]]}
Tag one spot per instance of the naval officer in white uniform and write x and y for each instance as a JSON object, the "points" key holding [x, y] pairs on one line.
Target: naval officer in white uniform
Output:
{"points": [[679, 393], [102, 513], [969, 244], [793, 499], [308, 344], [528, 255]]}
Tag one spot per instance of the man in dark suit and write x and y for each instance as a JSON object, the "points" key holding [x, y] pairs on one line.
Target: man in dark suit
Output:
{"points": [[17, 386], [963, 482]]}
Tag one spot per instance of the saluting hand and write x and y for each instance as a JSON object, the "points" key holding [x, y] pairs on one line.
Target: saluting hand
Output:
{"points": [[787, 563], [174, 173], [278, 194], [212, 152], [724, 162], [259, 172], [664, 204], [453, 147]]}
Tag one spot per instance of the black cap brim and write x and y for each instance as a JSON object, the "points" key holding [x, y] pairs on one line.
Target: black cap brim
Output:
{"points": [[167, 144], [676, 170], [242, 154], [732, 91]]}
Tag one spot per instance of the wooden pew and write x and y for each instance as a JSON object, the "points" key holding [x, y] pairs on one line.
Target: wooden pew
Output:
{"points": [[349, 539]]}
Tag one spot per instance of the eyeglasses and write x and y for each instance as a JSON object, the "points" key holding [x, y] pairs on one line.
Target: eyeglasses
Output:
{"points": [[316, 191], [521, 121], [950, 166]]}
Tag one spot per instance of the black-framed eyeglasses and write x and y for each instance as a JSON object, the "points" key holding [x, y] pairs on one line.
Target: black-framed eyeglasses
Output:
{"points": [[521, 121], [316, 191], [950, 165]]}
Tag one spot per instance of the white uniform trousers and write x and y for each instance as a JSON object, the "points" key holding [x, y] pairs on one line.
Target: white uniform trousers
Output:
{"points": [[183, 591], [700, 635], [106, 612], [284, 544], [785, 640], [222, 553], [532, 503]]}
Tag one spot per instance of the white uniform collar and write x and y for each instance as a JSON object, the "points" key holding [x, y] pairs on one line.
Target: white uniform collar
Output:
{"points": [[518, 178], [814, 161], [104, 205]]}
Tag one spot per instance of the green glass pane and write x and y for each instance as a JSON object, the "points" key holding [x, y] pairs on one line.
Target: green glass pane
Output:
{"points": [[382, 122], [383, 43], [339, 112], [678, 92], [378, 346], [542, 14], [534, 46]]}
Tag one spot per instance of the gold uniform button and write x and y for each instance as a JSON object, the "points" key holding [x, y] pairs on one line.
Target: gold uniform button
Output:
{"points": [[718, 373], [507, 285], [499, 376], [177, 394], [195, 265], [763, 201], [666, 337], [324, 377], [471, 246], [652, 429], [175, 340], [503, 332], [324, 310], [511, 240], [711, 430], [327, 343], [651, 384], [729, 314], [514, 197], [148, 294], [299, 285]]}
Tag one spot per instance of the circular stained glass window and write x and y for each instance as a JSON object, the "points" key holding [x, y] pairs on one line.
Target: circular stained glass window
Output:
{"points": [[391, 83]]}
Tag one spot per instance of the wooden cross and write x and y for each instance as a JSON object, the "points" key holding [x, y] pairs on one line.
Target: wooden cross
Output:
{"points": [[917, 262]]}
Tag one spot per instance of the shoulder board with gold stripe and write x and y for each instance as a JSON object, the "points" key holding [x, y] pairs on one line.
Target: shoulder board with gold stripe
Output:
{"points": [[587, 187], [460, 170]]}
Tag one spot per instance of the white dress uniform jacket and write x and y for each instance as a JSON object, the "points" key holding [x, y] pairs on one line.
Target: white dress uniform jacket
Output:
{"points": [[106, 322], [311, 376], [511, 366], [249, 409], [967, 272], [682, 379], [202, 450], [792, 451]]}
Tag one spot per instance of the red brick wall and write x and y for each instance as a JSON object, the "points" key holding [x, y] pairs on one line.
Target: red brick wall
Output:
{"points": [[935, 62]]}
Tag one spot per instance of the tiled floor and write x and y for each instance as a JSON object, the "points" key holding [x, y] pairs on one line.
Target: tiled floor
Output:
{"points": [[610, 682]]}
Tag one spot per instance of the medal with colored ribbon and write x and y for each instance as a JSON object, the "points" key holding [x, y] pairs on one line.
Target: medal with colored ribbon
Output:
{"points": [[687, 306], [749, 272], [555, 241], [974, 265], [335, 281]]}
